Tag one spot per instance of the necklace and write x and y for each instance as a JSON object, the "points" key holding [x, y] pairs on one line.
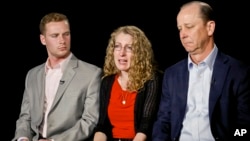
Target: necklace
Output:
{"points": [[124, 97], [124, 92]]}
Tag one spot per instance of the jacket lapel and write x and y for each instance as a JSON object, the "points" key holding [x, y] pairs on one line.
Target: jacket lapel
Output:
{"points": [[67, 77], [183, 88], [220, 71]]}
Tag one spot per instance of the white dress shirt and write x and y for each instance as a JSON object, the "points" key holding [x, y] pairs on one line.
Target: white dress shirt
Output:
{"points": [[196, 124]]}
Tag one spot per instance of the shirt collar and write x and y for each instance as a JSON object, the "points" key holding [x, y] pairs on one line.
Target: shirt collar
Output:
{"points": [[209, 60], [62, 65]]}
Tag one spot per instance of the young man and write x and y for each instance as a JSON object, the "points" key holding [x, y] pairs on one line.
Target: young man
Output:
{"points": [[61, 97]]}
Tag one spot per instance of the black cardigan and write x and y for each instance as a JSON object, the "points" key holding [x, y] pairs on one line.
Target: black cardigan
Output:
{"points": [[146, 106]]}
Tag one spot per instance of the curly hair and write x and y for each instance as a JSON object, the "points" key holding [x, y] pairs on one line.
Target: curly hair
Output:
{"points": [[142, 64]]}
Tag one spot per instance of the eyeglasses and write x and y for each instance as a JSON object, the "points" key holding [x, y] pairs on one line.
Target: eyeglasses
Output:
{"points": [[126, 48]]}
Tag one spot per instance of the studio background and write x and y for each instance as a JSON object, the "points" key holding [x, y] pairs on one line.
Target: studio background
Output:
{"points": [[91, 26]]}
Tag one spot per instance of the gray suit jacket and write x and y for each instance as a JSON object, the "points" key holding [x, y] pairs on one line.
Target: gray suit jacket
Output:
{"points": [[74, 112]]}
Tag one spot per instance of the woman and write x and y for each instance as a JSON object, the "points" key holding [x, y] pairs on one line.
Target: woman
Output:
{"points": [[130, 88]]}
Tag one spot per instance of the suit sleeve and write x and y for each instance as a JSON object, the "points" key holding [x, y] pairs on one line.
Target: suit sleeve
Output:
{"points": [[161, 128], [23, 125]]}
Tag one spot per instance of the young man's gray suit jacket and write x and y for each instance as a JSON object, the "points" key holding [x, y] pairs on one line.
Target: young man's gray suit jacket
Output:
{"points": [[75, 109]]}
